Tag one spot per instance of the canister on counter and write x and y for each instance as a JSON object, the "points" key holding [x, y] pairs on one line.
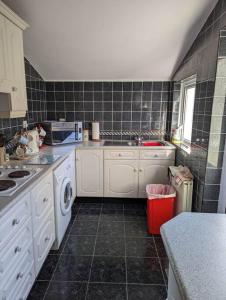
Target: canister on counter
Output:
{"points": [[96, 131], [86, 135]]}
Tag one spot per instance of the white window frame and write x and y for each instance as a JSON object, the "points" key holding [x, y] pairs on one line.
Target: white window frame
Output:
{"points": [[189, 82]]}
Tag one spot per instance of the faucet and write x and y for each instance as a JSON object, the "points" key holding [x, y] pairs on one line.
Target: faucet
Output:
{"points": [[139, 140]]}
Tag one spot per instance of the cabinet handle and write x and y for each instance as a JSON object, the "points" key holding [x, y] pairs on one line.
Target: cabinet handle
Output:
{"points": [[120, 154], [17, 249], [19, 275], [47, 239], [140, 170], [45, 200], [134, 170], [14, 89], [15, 222], [156, 155]]}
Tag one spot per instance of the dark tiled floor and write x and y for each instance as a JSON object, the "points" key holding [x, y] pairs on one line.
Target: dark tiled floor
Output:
{"points": [[106, 254]]}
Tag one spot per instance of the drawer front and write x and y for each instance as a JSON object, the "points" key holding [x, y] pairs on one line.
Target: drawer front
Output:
{"points": [[43, 241], [14, 219], [121, 154], [157, 154], [25, 287], [15, 250], [42, 201], [15, 278]]}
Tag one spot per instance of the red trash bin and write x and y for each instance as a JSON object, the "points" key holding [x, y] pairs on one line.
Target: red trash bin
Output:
{"points": [[160, 206]]}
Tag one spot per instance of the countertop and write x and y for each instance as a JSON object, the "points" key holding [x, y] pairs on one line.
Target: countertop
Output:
{"points": [[196, 247], [62, 150]]}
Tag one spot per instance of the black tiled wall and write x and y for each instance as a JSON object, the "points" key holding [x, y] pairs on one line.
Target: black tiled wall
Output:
{"points": [[36, 96], [202, 60], [120, 107]]}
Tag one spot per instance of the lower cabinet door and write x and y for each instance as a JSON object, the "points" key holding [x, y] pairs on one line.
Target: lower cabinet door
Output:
{"points": [[43, 241], [121, 178], [89, 173], [153, 172]]}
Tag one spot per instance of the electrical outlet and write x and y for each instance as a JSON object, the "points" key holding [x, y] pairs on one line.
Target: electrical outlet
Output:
{"points": [[25, 124]]}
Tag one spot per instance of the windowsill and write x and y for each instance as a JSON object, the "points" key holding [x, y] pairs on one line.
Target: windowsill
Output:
{"points": [[184, 146]]}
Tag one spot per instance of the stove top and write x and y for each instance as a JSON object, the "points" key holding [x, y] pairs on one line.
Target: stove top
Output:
{"points": [[14, 177]]}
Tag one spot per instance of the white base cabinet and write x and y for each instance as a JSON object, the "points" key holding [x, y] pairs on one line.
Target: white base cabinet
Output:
{"points": [[89, 173], [121, 178]]}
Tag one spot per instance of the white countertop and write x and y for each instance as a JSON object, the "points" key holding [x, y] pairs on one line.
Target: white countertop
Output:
{"points": [[63, 150], [196, 247]]}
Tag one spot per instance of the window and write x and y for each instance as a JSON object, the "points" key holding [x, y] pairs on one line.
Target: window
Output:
{"points": [[187, 100]]}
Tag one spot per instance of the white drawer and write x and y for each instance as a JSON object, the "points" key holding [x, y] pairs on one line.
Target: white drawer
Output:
{"points": [[43, 241], [14, 219], [121, 154], [42, 201], [16, 249], [25, 287], [157, 154], [15, 279]]}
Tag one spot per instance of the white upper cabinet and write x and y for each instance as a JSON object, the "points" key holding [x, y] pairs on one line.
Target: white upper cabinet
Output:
{"points": [[13, 99]]}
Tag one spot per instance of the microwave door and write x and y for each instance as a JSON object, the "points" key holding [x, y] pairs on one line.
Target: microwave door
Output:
{"points": [[63, 137]]}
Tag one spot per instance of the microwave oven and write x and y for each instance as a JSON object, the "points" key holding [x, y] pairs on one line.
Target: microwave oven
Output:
{"points": [[62, 132]]}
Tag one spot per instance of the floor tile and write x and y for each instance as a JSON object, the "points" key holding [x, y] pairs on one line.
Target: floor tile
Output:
{"points": [[89, 200], [110, 246], [48, 267], [136, 229], [141, 247], [160, 247], [165, 267], [75, 208], [100, 291], [111, 228], [108, 269], [146, 292], [112, 215], [88, 214], [134, 204], [73, 268], [38, 290], [84, 228], [90, 205], [144, 270], [135, 215], [79, 245], [118, 206], [66, 291]]}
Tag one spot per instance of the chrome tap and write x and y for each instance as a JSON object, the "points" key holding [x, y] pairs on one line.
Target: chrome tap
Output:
{"points": [[139, 140]]}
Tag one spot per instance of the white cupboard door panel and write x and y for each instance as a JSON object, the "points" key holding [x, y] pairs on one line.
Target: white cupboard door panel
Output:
{"points": [[42, 201], [121, 178], [153, 172], [14, 219], [43, 241], [89, 167], [16, 63], [4, 61]]}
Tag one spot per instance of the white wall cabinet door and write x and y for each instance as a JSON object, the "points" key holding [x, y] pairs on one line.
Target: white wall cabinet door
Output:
{"points": [[121, 178], [4, 61], [89, 173], [153, 171], [17, 72]]}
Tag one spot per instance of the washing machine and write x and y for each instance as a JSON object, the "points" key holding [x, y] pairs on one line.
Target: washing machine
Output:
{"points": [[64, 195]]}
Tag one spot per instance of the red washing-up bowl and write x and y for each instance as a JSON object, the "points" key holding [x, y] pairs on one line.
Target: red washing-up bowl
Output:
{"points": [[152, 144]]}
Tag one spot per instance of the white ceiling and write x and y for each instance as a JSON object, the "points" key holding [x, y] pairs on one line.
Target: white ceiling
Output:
{"points": [[109, 39]]}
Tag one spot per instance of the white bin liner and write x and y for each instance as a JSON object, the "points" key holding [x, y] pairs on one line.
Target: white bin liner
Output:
{"points": [[155, 191]]}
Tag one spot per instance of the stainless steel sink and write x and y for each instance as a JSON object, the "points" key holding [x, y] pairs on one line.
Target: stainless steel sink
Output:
{"points": [[116, 143], [134, 143]]}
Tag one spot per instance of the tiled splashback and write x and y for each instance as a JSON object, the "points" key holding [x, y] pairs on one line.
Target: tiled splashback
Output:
{"points": [[202, 60], [36, 96], [123, 109]]}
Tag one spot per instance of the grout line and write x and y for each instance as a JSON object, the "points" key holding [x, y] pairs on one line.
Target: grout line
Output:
{"points": [[159, 259], [60, 255], [125, 252], [94, 249]]}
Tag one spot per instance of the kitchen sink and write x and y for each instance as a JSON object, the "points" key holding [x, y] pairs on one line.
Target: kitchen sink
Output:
{"points": [[134, 143]]}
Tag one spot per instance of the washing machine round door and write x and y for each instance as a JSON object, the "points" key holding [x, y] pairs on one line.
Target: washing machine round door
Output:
{"points": [[66, 196]]}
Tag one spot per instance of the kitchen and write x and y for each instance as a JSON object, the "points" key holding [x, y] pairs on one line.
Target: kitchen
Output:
{"points": [[73, 221]]}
